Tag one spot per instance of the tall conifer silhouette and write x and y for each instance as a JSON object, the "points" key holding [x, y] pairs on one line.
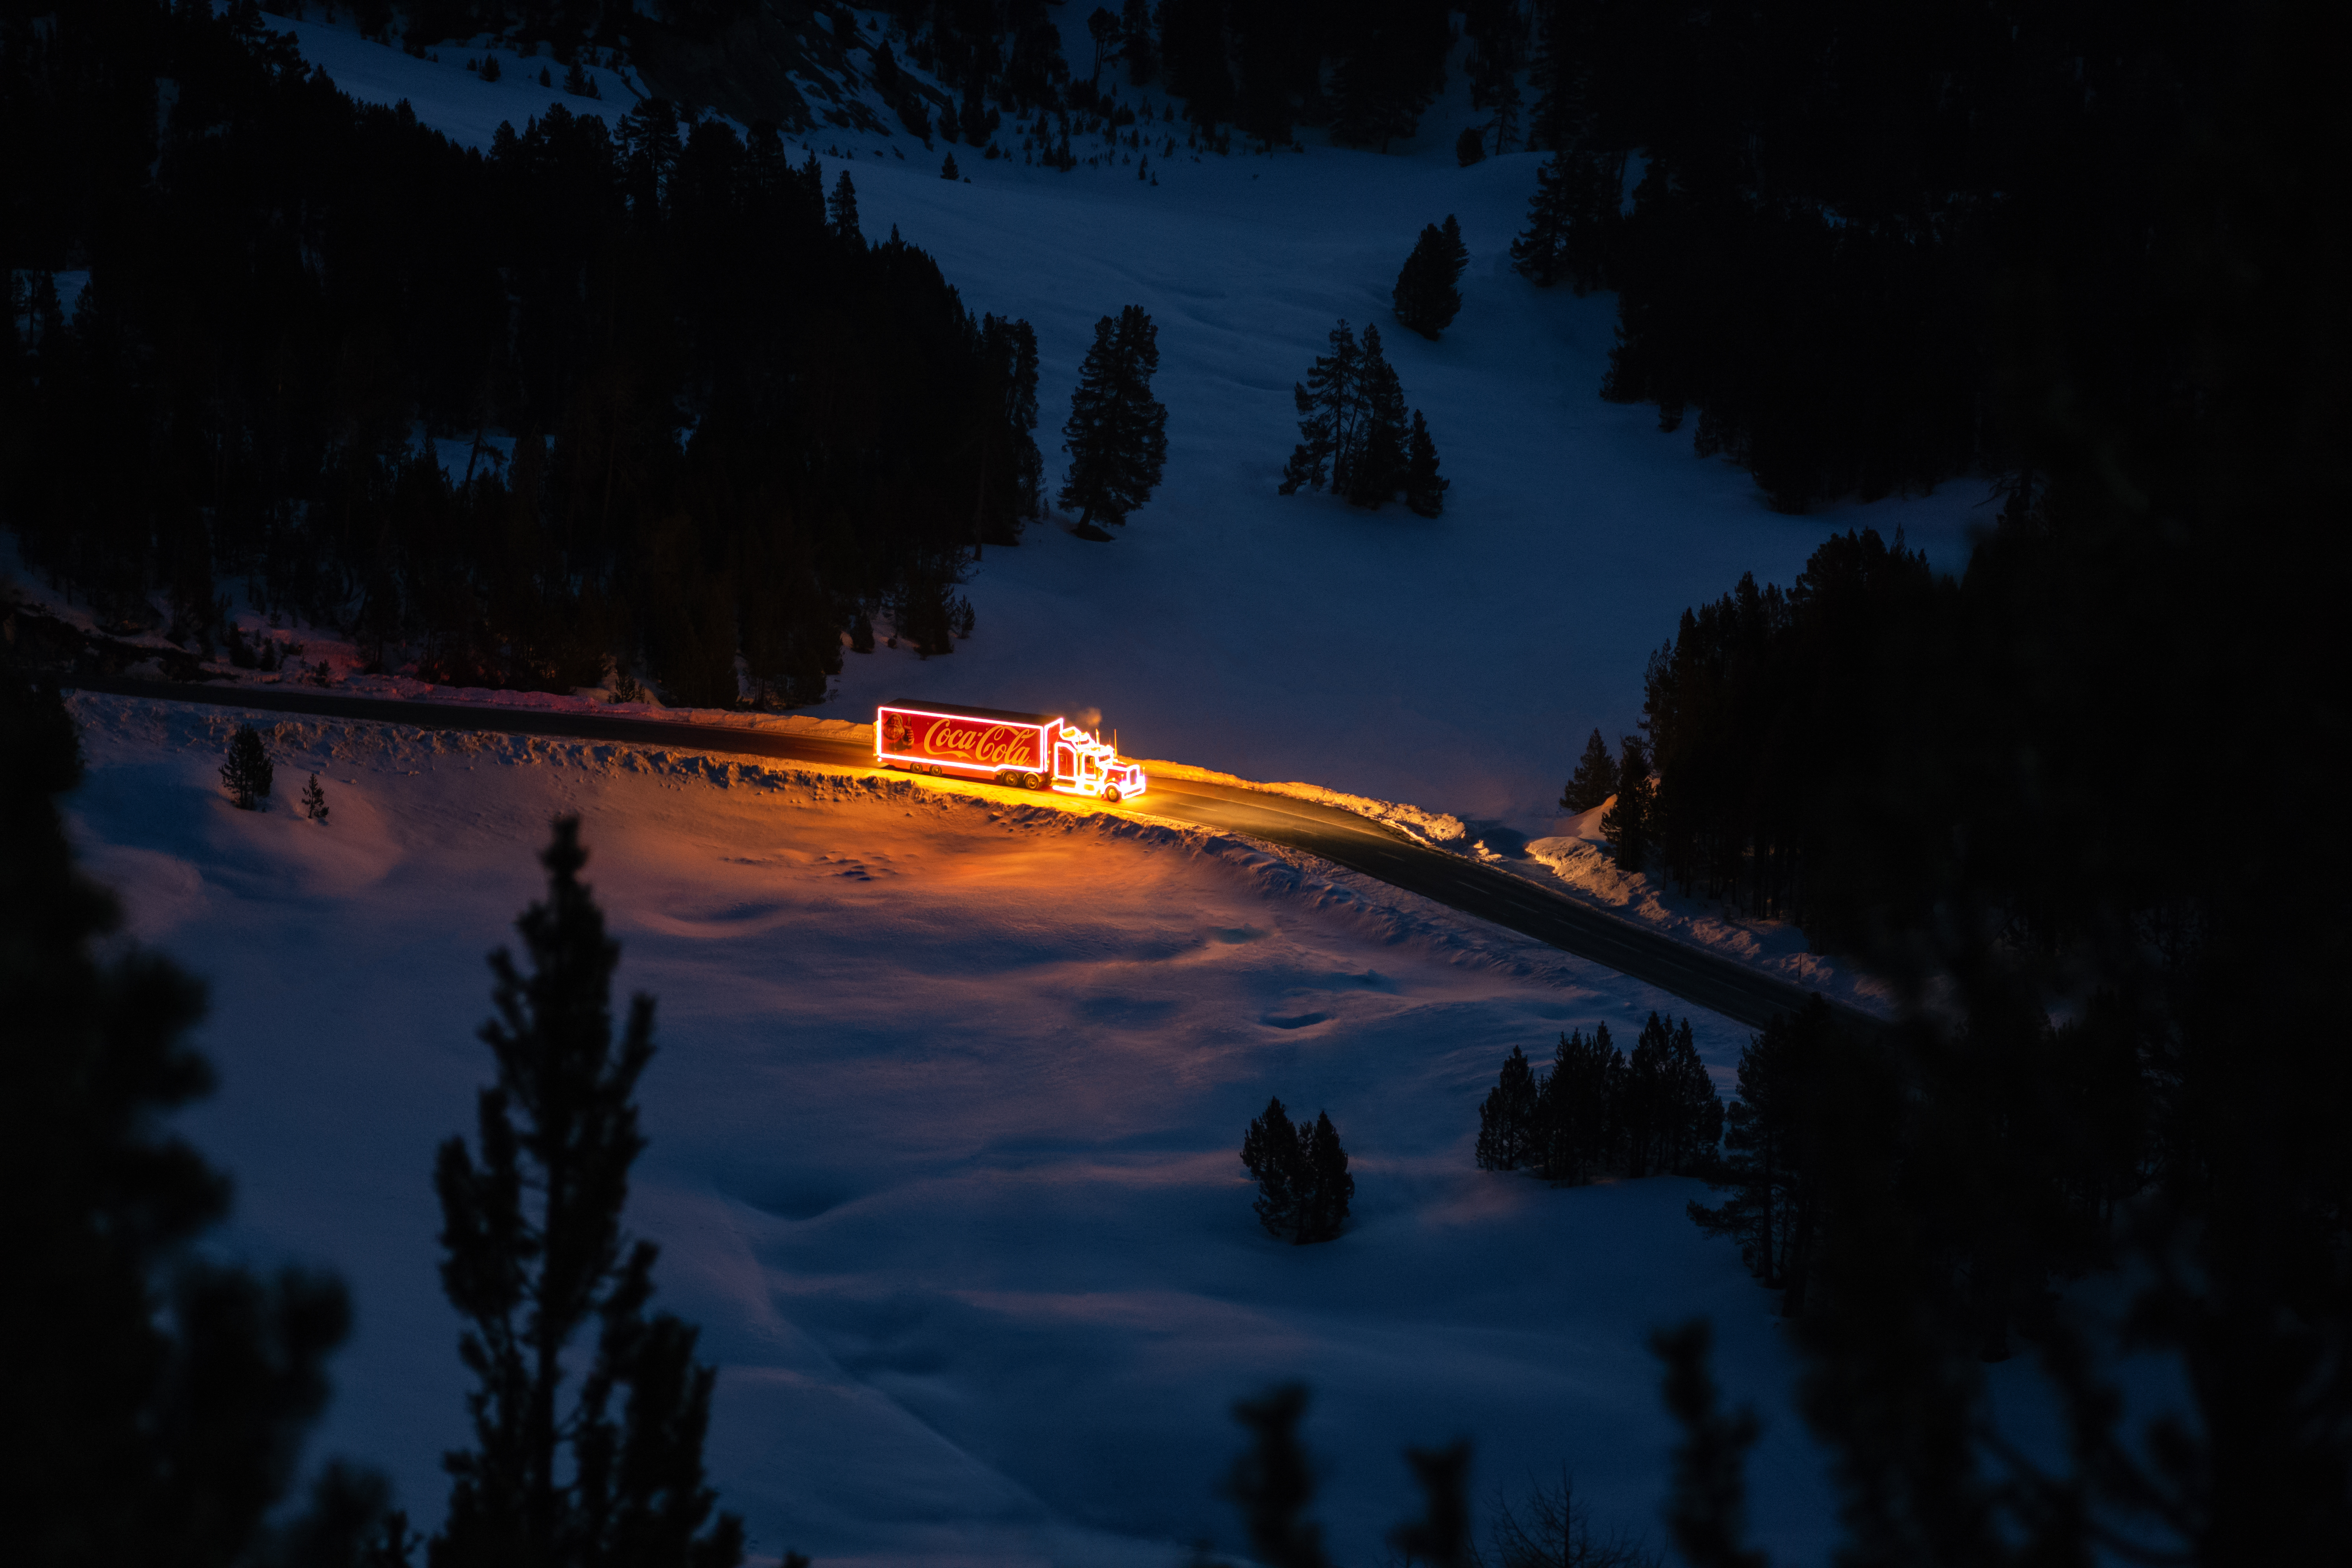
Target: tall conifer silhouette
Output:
{"points": [[535, 1258], [1330, 407], [1117, 435]]}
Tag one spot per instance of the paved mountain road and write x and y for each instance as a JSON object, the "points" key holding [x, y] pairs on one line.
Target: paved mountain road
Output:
{"points": [[1700, 978]]}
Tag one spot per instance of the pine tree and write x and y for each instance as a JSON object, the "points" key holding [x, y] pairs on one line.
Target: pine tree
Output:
{"points": [[1595, 779], [1540, 252], [1494, 71], [1273, 1483], [1507, 1123], [843, 210], [1303, 1186], [1625, 825], [1379, 468], [1142, 52], [978, 121], [1271, 1151], [248, 773], [1646, 1108], [948, 169], [1330, 407], [1441, 1537], [1695, 1121], [1425, 297], [1559, 106], [314, 801], [1192, 54], [650, 148], [1771, 1135], [1394, 64], [535, 1253], [1577, 1120], [1323, 1208], [1104, 28], [1425, 488], [1117, 432]]}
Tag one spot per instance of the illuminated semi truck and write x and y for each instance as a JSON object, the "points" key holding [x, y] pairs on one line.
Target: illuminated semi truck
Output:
{"points": [[1024, 751]]}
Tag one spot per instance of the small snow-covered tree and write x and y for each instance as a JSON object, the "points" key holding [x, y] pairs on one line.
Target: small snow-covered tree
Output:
{"points": [[1425, 488], [248, 773], [1427, 295], [1595, 779], [1626, 824], [1304, 1189], [1270, 1150], [1323, 1208]]}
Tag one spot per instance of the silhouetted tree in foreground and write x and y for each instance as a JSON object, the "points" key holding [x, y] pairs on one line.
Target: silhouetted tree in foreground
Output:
{"points": [[535, 1257], [1272, 1485], [160, 1396], [1550, 1529]]}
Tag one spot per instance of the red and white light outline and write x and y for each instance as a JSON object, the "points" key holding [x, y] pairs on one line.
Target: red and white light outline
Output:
{"points": [[1084, 748]]}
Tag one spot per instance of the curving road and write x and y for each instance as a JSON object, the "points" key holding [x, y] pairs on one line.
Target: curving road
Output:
{"points": [[1698, 977]]}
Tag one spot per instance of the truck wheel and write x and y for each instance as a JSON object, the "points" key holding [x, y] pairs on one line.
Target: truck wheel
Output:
{"points": [[1032, 781], [1110, 795]]}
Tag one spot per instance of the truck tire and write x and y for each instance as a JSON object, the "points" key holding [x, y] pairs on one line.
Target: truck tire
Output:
{"points": [[1032, 781], [1110, 795]]}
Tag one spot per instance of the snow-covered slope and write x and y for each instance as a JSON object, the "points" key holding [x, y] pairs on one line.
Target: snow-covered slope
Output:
{"points": [[1456, 664], [943, 1132]]}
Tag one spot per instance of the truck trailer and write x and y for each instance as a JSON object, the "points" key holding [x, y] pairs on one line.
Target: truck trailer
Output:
{"points": [[1022, 751]]}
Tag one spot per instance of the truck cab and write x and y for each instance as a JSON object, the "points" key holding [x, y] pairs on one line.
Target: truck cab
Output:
{"points": [[1084, 766]]}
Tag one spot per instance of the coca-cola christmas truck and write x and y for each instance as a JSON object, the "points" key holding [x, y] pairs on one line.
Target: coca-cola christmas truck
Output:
{"points": [[1026, 751]]}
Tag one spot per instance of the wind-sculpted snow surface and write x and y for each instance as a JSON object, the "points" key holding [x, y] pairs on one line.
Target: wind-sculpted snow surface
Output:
{"points": [[943, 1134]]}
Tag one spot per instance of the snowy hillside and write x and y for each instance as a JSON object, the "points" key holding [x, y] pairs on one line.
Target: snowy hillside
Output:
{"points": [[1456, 663], [943, 1134]]}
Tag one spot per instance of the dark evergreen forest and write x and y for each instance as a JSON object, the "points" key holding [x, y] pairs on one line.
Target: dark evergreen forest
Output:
{"points": [[740, 424], [2120, 960], [1812, 212]]}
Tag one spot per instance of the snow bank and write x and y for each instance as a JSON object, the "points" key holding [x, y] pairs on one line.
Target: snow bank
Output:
{"points": [[1576, 862]]}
